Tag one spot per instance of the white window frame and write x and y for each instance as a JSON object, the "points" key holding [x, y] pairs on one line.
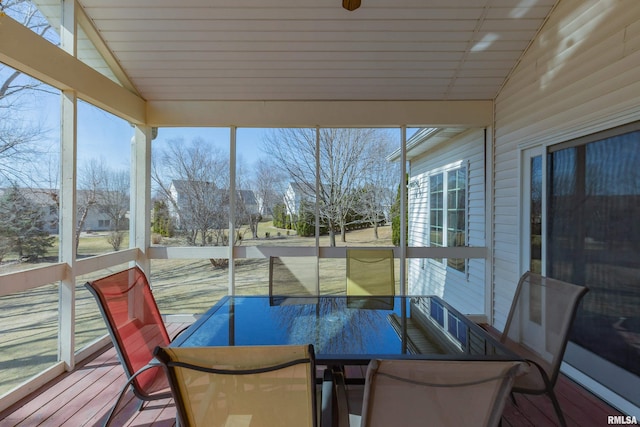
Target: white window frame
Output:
{"points": [[444, 171]]}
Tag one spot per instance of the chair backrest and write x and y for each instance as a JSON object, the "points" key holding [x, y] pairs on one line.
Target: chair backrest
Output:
{"points": [[260, 386], [437, 392], [291, 277], [134, 323], [540, 319], [370, 272]]}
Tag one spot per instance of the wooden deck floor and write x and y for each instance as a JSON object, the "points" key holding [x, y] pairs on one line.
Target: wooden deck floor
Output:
{"points": [[84, 397]]}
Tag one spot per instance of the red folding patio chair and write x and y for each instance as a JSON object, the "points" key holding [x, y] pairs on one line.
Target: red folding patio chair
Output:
{"points": [[136, 328]]}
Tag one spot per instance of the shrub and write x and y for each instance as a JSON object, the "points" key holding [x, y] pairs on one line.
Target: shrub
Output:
{"points": [[115, 239]]}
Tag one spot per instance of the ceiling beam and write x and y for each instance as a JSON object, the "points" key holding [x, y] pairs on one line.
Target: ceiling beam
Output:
{"points": [[270, 114], [51, 65]]}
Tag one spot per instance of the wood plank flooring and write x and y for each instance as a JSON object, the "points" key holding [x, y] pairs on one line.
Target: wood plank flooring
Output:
{"points": [[85, 396]]}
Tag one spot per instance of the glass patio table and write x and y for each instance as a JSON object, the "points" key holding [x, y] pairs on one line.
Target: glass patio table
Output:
{"points": [[347, 330]]}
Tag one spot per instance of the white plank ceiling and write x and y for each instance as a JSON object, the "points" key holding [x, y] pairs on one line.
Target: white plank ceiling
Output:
{"points": [[315, 49]]}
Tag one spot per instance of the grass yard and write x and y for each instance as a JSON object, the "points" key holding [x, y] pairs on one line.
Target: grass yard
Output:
{"points": [[29, 320]]}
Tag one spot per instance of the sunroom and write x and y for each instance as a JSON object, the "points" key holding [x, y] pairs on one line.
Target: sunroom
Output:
{"points": [[528, 113]]}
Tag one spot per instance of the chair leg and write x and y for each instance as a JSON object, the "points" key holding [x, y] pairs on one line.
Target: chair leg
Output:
{"points": [[120, 396], [342, 401], [328, 412], [335, 405], [112, 412], [122, 393], [556, 406]]}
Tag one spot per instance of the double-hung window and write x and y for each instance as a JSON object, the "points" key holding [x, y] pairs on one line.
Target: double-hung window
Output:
{"points": [[448, 211]]}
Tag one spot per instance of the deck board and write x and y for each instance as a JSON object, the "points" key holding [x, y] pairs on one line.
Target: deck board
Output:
{"points": [[85, 396]]}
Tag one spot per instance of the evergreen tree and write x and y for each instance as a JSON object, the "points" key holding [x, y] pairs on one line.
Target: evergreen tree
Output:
{"points": [[23, 225], [305, 226], [162, 222], [395, 217]]}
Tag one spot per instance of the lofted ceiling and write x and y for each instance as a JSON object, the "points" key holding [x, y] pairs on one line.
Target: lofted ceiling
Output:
{"points": [[316, 50]]}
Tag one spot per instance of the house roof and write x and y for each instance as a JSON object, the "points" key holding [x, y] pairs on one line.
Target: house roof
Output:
{"points": [[49, 196], [424, 140], [248, 197], [309, 50], [299, 187], [39, 196], [182, 185]]}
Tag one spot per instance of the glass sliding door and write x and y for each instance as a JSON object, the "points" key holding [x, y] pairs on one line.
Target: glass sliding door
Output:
{"points": [[593, 239]]}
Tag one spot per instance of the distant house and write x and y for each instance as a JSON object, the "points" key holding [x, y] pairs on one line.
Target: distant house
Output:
{"points": [[178, 192], [99, 218], [296, 194], [47, 201], [186, 196], [249, 202], [177, 199]]}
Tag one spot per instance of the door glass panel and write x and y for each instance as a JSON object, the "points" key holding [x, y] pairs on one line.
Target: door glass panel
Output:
{"points": [[535, 209], [594, 240]]}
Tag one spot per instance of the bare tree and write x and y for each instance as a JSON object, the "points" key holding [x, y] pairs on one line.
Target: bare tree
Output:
{"points": [[344, 160], [21, 135], [113, 201], [269, 185], [26, 12], [382, 176], [194, 180], [91, 181], [17, 147], [246, 213]]}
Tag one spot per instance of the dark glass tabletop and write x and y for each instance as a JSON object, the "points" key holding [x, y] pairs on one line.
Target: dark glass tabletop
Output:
{"points": [[346, 329]]}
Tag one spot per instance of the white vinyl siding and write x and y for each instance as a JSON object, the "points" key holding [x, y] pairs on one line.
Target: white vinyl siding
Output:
{"points": [[465, 291], [580, 75]]}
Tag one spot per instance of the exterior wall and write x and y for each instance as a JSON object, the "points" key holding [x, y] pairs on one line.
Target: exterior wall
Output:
{"points": [[465, 291], [291, 201], [581, 75], [295, 196], [173, 211], [97, 221]]}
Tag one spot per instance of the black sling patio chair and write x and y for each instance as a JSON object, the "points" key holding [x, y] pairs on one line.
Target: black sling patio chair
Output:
{"points": [[537, 329]]}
